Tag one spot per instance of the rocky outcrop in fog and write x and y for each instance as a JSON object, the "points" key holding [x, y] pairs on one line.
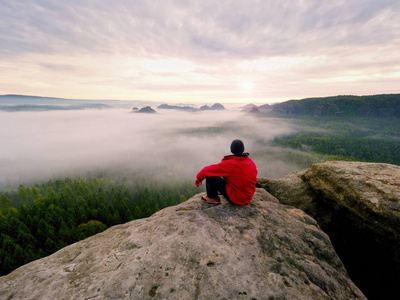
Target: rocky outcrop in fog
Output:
{"points": [[215, 106], [146, 110], [358, 206], [264, 250]]}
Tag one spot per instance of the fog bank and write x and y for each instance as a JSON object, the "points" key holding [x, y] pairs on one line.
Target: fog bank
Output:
{"points": [[168, 145]]}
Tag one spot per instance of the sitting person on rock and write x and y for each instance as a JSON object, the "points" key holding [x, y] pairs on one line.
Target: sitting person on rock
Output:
{"points": [[234, 177]]}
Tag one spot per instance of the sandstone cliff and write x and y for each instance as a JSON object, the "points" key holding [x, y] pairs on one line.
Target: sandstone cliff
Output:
{"points": [[264, 250], [358, 206]]}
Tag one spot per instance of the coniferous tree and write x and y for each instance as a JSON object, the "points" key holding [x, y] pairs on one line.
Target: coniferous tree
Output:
{"points": [[36, 221]]}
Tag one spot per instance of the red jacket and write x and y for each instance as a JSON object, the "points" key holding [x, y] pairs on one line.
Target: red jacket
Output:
{"points": [[240, 174]]}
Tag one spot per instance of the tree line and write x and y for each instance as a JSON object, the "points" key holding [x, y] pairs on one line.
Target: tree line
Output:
{"points": [[344, 147], [374, 106], [38, 220]]}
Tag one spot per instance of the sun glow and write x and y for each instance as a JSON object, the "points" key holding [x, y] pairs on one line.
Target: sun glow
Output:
{"points": [[247, 86]]}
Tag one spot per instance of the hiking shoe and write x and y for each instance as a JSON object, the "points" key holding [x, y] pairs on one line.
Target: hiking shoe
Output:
{"points": [[209, 200]]}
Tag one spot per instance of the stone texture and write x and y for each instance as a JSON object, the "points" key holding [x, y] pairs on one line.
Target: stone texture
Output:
{"points": [[291, 190], [358, 205], [264, 250]]}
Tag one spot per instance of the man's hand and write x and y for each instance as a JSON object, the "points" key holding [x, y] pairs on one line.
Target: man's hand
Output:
{"points": [[197, 183]]}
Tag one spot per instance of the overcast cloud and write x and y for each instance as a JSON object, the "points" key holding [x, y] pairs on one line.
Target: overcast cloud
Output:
{"points": [[199, 50]]}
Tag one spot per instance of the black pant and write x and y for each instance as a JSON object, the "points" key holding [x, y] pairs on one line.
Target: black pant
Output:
{"points": [[215, 185]]}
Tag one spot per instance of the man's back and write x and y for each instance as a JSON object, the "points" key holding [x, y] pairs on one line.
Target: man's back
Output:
{"points": [[241, 183], [235, 177]]}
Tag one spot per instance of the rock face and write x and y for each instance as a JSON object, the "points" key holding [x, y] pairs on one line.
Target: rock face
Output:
{"points": [[264, 250], [358, 206]]}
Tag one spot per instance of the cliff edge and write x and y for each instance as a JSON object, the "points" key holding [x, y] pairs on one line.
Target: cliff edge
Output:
{"points": [[358, 205], [264, 250]]}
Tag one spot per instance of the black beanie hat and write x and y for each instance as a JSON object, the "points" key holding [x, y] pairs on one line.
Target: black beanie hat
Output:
{"points": [[237, 147]]}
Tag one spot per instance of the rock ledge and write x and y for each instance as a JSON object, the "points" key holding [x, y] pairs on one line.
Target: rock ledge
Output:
{"points": [[358, 206], [264, 250]]}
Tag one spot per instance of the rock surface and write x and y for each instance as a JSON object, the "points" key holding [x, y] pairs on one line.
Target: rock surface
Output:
{"points": [[358, 206], [264, 250]]}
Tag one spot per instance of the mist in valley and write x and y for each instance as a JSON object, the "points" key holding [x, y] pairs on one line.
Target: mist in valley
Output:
{"points": [[167, 146]]}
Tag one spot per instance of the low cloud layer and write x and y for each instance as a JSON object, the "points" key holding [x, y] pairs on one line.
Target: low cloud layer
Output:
{"points": [[169, 145]]}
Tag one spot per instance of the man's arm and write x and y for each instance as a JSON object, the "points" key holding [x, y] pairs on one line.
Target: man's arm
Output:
{"points": [[217, 170]]}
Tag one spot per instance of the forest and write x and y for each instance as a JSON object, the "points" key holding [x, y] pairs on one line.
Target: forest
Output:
{"points": [[375, 106], [354, 139], [344, 147], [38, 220]]}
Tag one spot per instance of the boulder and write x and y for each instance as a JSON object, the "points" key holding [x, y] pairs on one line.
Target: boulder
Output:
{"points": [[358, 206], [264, 250], [291, 190]]}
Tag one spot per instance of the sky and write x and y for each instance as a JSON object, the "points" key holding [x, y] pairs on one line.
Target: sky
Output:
{"points": [[205, 51]]}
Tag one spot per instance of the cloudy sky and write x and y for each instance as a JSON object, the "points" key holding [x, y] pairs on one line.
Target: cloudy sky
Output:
{"points": [[199, 51]]}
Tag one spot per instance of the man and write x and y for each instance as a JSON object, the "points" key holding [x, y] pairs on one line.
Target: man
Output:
{"points": [[234, 177]]}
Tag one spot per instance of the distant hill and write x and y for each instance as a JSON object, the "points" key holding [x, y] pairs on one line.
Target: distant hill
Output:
{"points": [[264, 107], [216, 106], [36, 103], [379, 106], [252, 108], [28, 98], [33, 107], [248, 107], [146, 110], [176, 107]]}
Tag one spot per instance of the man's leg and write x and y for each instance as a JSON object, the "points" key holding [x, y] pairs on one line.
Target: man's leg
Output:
{"points": [[215, 185]]}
